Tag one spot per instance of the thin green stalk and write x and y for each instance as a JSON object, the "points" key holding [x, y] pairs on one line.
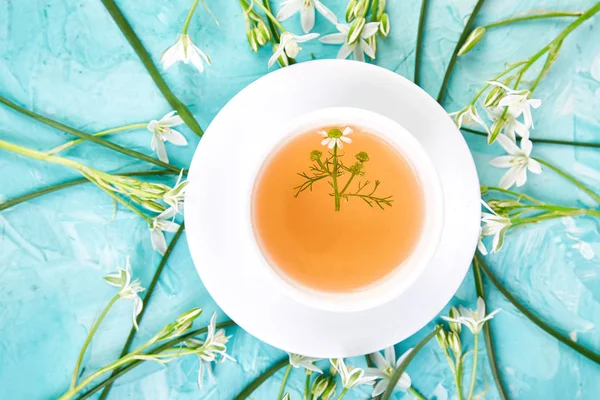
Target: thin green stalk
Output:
{"points": [[263, 377], [284, 381], [272, 26], [344, 391], [101, 133], [142, 53], [158, 349], [549, 14], [307, 385], [347, 183], [189, 17], [419, 44], [336, 194], [416, 394], [474, 372], [55, 188], [487, 334], [533, 318], [571, 179], [269, 14], [515, 194], [88, 339], [540, 140], [146, 300], [461, 40], [87, 136], [402, 367], [128, 205]]}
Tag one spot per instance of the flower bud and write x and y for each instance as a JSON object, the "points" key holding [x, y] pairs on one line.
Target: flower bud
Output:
{"points": [[496, 130], [372, 41], [356, 30], [454, 314], [442, 339], [493, 97], [474, 37], [282, 60], [362, 156], [360, 10], [315, 155], [264, 30], [153, 206], [384, 25], [330, 390], [251, 35], [350, 10], [455, 345], [319, 386], [260, 39], [380, 9]]}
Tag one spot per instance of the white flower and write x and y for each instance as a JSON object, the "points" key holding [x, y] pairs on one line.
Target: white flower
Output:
{"points": [[385, 369], [174, 197], [162, 223], [494, 225], [480, 245], [351, 376], [162, 132], [468, 116], [298, 361], [335, 136], [307, 12], [288, 45], [518, 161], [360, 47], [184, 50], [128, 289], [473, 320], [512, 126], [208, 350], [518, 102]]}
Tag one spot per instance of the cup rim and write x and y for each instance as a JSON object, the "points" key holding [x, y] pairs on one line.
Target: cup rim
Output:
{"points": [[401, 278]]}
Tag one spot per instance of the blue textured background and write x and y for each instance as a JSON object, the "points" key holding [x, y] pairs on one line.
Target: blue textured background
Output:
{"points": [[69, 61]]}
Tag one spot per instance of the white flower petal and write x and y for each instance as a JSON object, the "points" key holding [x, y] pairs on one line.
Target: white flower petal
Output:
{"points": [[502, 162], [369, 30], [161, 150], [334, 38], [290, 8], [326, 12], [534, 166], [508, 145], [509, 178], [307, 17], [366, 47], [176, 138], [358, 54], [345, 51], [379, 387], [305, 38], [526, 146], [159, 243]]}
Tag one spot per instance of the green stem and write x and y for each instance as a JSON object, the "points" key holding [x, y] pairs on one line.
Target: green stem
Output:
{"points": [[487, 334], [263, 377], [549, 14], [402, 367], [347, 183], [146, 300], [55, 188], [419, 44], [571, 179], [533, 318], [461, 40], [474, 372], [307, 385], [495, 78], [142, 53], [540, 140], [88, 339], [458, 379], [342, 394], [334, 177], [284, 381], [416, 394], [272, 26], [515, 194], [269, 14], [87, 136], [189, 17], [136, 362], [128, 205], [101, 133]]}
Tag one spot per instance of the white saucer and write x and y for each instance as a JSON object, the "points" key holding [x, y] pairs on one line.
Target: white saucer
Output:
{"points": [[216, 210]]}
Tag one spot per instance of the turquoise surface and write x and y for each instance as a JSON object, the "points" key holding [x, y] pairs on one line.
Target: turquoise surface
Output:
{"points": [[68, 60]]}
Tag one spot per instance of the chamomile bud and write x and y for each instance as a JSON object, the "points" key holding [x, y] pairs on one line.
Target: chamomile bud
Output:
{"points": [[315, 155], [362, 156]]}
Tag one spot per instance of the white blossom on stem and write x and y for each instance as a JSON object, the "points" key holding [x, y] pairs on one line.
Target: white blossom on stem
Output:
{"points": [[298, 361], [359, 47], [518, 161], [351, 376], [128, 289], [184, 50], [288, 46], [385, 367], [468, 116], [162, 131], [306, 8], [494, 225], [518, 102], [164, 222], [473, 320]]}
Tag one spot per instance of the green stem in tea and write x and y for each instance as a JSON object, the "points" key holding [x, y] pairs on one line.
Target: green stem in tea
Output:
{"points": [[336, 194]]}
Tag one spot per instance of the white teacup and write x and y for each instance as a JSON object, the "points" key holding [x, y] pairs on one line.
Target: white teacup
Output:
{"points": [[402, 277]]}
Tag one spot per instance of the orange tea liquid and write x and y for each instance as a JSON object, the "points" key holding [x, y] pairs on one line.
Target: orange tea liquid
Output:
{"points": [[336, 251]]}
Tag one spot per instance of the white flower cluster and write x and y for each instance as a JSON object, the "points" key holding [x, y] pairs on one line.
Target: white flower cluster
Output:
{"points": [[128, 289]]}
